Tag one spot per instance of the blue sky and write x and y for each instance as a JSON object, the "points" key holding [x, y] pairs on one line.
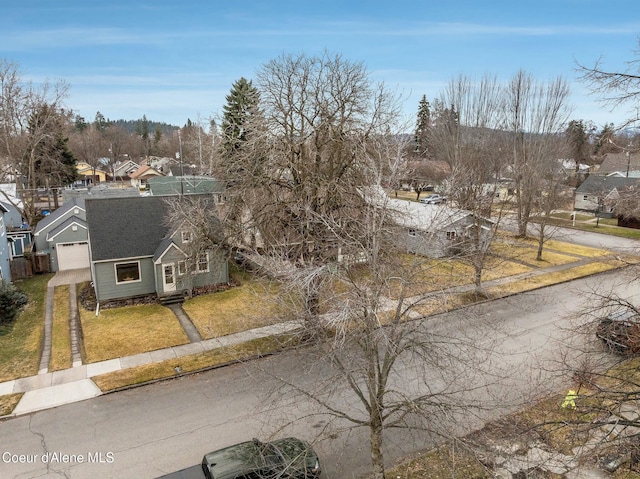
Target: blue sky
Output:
{"points": [[176, 60]]}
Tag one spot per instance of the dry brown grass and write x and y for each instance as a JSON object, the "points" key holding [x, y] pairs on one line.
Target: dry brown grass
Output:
{"points": [[238, 309], [9, 402], [195, 362], [548, 279], [129, 330]]}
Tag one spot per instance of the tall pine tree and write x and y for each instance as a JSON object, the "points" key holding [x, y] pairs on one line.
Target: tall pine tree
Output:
{"points": [[242, 104], [423, 125]]}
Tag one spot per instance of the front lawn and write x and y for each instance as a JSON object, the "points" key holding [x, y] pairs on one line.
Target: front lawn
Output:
{"points": [[129, 330], [60, 335], [249, 306], [20, 342]]}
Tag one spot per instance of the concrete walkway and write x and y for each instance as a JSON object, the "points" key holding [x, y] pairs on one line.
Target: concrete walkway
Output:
{"points": [[51, 389]]}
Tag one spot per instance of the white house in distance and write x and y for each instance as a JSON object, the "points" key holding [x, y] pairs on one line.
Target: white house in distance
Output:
{"points": [[435, 230], [430, 230]]}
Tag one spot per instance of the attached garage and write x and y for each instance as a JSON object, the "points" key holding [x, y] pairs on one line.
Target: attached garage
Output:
{"points": [[73, 255]]}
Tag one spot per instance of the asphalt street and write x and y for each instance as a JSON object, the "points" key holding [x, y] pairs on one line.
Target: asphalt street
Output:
{"points": [[152, 430]]}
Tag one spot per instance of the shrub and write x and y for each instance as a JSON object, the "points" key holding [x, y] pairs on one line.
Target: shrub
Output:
{"points": [[11, 301]]}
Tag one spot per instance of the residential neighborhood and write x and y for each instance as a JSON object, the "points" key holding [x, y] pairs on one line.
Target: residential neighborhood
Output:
{"points": [[274, 241]]}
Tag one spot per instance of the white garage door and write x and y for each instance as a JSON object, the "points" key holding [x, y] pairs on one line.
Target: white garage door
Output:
{"points": [[73, 255]]}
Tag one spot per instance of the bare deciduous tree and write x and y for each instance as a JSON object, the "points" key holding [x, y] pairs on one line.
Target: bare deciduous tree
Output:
{"points": [[536, 112], [31, 119], [615, 88], [472, 146]]}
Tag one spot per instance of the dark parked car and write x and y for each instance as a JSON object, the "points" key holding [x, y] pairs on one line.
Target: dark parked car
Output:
{"points": [[433, 200], [288, 458], [620, 331]]}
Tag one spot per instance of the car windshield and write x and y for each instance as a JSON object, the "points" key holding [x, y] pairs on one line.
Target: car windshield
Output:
{"points": [[271, 455]]}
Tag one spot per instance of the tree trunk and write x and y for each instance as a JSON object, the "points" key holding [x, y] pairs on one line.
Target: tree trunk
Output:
{"points": [[478, 279], [377, 458]]}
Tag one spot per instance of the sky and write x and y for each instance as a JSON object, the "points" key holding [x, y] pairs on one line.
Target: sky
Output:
{"points": [[177, 60]]}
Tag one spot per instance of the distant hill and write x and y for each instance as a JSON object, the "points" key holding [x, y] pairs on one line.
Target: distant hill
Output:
{"points": [[136, 126]]}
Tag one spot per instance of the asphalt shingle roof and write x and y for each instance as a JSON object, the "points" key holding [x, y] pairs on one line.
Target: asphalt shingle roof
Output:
{"points": [[125, 227], [57, 213], [596, 184]]}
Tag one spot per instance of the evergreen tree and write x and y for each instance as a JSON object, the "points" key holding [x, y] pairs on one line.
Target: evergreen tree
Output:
{"points": [[604, 142], [142, 129], [54, 164], [578, 140], [101, 123], [242, 104], [423, 126]]}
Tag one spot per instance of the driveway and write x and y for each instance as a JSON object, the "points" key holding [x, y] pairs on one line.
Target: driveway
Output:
{"points": [[70, 276]]}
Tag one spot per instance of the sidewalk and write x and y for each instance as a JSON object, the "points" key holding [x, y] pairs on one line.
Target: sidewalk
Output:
{"points": [[51, 389]]}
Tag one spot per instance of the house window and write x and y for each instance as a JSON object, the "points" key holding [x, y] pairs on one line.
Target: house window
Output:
{"points": [[451, 235], [169, 277], [127, 272], [186, 236], [182, 268], [585, 198], [203, 263], [412, 232]]}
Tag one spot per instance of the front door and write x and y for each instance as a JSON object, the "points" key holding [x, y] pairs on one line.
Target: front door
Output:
{"points": [[169, 277]]}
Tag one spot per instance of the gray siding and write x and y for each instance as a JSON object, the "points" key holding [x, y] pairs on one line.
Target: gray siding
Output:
{"points": [[42, 231], [218, 272], [105, 280], [588, 204]]}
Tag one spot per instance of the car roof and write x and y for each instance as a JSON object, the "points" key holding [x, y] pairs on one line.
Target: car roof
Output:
{"points": [[234, 460]]}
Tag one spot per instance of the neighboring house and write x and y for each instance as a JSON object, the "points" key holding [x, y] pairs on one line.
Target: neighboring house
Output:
{"points": [[123, 169], [134, 253], [90, 175], [5, 267], [625, 163], [503, 189], [187, 185], [98, 191], [143, 174], [436, 230], [162, 164], [63, 236], [596, 191], [13, 217], [183, 170], [430, 230], [18, 231]]}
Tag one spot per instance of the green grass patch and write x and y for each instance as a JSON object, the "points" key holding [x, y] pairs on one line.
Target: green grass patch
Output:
{"points": [[60, 337], [129, 330], [195, 362], [20, 342], [248, 306]]}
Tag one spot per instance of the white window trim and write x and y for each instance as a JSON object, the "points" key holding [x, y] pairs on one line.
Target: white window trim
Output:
{"points": [[115, 272], [198, 270], [182, 268]]}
